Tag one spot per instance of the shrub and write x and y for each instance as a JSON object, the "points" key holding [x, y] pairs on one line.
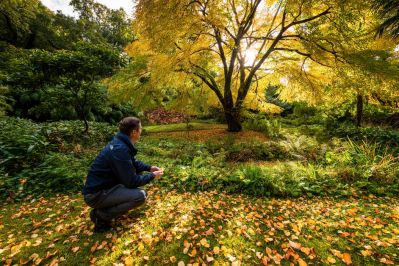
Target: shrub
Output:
{"points": [[34, 158], [270, 128]]}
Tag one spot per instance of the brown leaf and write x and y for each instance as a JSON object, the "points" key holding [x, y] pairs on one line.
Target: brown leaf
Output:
{"points": [[75, 249]]}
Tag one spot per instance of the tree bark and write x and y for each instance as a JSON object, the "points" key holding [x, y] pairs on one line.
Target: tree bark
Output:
{"points": [[233, 119], [359, 110]]}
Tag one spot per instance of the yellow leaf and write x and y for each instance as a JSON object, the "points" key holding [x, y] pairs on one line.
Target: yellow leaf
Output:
{"points": [[172, 259], [216, 250], [128, 261], [204, 242], [396, 231], [294, 227], [331, 260], [346, 257], [140, 247], [302, 262], [365, 253], [15, 249]]}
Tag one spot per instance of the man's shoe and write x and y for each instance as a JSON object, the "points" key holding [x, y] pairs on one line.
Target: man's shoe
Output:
{"points": [[99, 224]]}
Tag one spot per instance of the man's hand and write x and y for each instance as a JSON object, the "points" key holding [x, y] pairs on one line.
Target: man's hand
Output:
{"points": [[154, 168], [158, 174]]}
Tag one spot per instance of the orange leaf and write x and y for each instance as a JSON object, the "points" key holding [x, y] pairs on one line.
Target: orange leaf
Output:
{"points": [[295, 245], [386, 261], [305, 250], [54, 262], [94, 247], [193, 253], [346, 257]]}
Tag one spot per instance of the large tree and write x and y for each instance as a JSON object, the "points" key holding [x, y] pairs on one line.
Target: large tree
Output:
{"points": [[230, 45]]}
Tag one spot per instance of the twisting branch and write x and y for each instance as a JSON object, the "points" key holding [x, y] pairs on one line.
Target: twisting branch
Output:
{"points": [[307, 55]]}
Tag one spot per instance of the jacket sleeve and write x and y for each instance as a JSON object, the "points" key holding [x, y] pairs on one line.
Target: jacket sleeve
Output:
{"points": [[140, 166], [124, 169]]}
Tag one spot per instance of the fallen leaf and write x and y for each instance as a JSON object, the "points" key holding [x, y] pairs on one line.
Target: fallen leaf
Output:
{"points": [[128, 261], [331, 260], [301, 262], [204, 242], [75, 249], [346, 257], [265, 260], [216, 250], [54, 262], [294, 244], [94, 247], [365, 253], [386, 261], [193, 253]]}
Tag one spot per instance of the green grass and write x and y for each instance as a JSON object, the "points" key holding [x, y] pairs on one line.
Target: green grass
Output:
{"points": [[199, 125]]}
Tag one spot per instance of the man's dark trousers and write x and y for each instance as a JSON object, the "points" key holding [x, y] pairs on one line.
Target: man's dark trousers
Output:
{"points": [[116, 201]]}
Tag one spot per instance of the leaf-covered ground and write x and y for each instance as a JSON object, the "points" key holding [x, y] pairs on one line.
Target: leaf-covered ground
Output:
{"points": [[204, 228]]}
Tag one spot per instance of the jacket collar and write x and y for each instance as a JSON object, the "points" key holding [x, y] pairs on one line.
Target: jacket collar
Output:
{"points": [[125, 139]]}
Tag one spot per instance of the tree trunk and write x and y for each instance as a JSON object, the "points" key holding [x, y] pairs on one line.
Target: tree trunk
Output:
{"points": [[359, 110], [233, 120], [86, 126]]}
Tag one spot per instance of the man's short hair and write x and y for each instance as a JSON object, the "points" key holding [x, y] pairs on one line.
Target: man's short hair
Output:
{"points": [[128, 124]]}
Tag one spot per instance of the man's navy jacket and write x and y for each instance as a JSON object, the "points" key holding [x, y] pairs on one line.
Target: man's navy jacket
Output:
{"points": [[116, 165]]}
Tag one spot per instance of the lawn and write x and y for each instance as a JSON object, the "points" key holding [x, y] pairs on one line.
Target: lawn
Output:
{"points": [[205, 227], [225, 199]]}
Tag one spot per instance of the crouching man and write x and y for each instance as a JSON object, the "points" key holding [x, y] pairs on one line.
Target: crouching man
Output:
{"points": [[114, 178]]}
